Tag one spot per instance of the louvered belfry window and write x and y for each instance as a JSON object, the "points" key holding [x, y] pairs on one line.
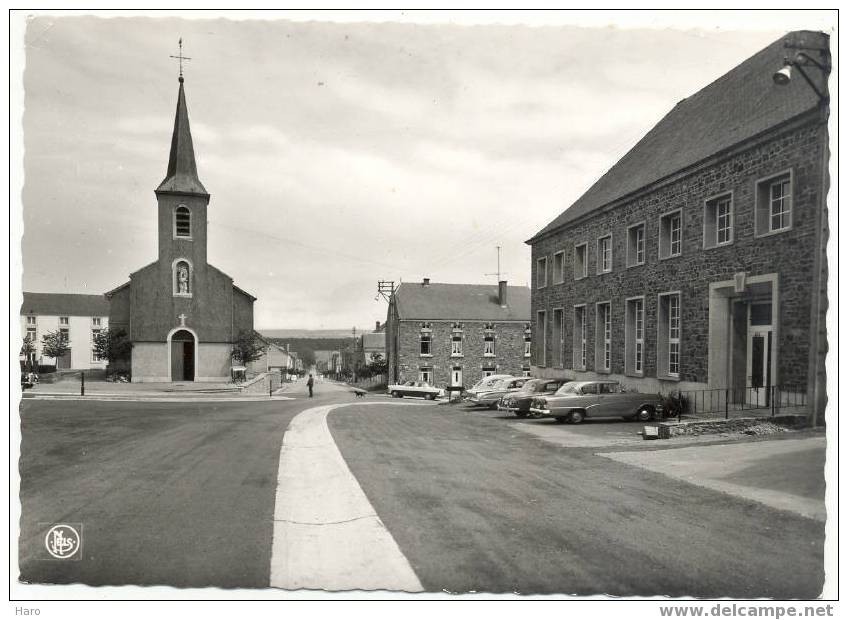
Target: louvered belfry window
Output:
{"points": [[183, 222]]}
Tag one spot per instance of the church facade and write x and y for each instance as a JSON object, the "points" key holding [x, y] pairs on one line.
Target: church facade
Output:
{"points": [[181, 313]]}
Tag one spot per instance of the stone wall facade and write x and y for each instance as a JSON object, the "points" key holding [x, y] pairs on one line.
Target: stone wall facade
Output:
{"points": [[796, 148], [508, 358]]}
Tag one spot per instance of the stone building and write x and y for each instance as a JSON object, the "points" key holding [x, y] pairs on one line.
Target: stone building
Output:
{"points": [[455, 334], [181, 313], [696, 260], [78, 317]]}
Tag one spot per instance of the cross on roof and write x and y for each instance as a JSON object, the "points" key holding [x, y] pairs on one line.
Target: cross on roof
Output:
{"points": [[181, 58]]}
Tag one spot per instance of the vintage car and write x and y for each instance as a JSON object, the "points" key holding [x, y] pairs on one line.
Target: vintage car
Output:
{"points": [[415, 388], [486, 383], [490, 397], [578, 400], [519, 402]]}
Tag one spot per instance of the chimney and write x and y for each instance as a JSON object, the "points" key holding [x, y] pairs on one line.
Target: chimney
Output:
{"points": [[502, 293], [377, 328], [426, 282]]}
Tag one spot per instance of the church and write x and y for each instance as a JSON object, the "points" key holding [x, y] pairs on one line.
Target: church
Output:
{"points": [[181, 313]]}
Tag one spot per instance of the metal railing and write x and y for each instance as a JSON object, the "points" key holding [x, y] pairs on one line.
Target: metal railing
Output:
{"points": [[768, 400]]}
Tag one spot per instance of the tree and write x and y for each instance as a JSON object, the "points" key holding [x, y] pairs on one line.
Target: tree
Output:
{"points": [[113, 345], [248, 347], [378, 364], [55, 344], [28, 353]]}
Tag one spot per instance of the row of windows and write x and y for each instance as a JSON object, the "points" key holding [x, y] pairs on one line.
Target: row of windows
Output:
{"points": [[668, 336], [32, 320], [32, 336], [773, 215], [425, 373], [425, 342]]}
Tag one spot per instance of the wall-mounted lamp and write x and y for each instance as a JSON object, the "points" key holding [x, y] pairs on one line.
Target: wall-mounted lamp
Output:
{"points": [[799, 61]]}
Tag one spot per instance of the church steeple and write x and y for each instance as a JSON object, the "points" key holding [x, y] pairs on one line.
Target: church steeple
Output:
{"points": [[182, 168]]}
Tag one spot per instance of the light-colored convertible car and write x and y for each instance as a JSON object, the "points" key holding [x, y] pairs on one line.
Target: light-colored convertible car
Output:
{"points": [[415, 388], [578, 400]]}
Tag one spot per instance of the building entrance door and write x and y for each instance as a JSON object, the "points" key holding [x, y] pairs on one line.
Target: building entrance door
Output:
{"points": [[759, 355], [456, 376], [182, 356]]}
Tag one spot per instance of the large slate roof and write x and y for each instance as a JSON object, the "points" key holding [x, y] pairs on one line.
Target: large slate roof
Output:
{"points": [[64, 304], [736, 107], [461, 302]]}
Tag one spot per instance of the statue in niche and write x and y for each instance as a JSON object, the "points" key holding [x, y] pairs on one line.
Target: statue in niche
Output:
{"points": [[182, 279]]}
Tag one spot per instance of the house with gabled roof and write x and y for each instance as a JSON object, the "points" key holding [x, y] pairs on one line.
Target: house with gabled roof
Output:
{"points": [[697, 261], [456, 334]]}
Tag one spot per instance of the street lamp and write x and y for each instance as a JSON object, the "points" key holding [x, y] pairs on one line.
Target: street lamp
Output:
{"points": [[804, 58], [801, 59]]}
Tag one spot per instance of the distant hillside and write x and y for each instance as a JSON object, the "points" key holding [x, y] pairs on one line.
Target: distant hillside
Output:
{"points": [[310, 333]]}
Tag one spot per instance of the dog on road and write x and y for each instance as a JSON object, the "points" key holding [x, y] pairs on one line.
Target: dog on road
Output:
{"points": [[359, 393]]}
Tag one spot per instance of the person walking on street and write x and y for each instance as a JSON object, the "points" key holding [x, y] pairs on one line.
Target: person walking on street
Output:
{"points": [[309, 383]]}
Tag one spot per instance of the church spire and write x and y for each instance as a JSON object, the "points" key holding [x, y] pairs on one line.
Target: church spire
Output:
{"points": [[182, 168]]}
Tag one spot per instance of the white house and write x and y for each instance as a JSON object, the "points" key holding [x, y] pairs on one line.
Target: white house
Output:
{"points": [[79, 317]]}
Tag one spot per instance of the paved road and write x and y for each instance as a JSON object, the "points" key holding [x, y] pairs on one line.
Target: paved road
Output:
{"points": [[185, 495], [477, 505], [167, 494]]}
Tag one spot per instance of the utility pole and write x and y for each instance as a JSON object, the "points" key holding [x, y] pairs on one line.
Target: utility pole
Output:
{"points": [[386, 289]]}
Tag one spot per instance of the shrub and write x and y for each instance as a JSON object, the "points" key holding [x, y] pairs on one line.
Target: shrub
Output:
{"points": [[674, 404]]}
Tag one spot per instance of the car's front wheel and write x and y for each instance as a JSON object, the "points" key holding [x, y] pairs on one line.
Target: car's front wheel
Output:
{"points": [[645, 414], [396, 394], [520, 414], [577, 416], [430, 397]]}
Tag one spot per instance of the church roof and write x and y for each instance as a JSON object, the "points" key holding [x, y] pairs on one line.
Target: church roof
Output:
{"points": [[64, 304], [736, 107], [182, 168]]}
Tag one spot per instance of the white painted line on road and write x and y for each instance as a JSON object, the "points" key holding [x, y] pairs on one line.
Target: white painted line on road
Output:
{"points": [[327, 534]]}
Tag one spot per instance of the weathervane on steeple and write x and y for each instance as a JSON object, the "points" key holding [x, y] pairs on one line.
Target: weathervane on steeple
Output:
{"points": [[181, 58]]}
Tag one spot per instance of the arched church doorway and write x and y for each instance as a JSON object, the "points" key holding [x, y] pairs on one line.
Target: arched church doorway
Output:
{"points": [[182, 356]]}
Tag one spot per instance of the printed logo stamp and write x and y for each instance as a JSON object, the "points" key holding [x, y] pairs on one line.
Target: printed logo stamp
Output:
{"points": [[63, 541]]}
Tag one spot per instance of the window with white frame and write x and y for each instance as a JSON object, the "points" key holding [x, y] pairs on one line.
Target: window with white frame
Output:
{"points": [[558, 329], [636, 245], [581, 262], [489, 371], [95, 321], [32, 334], [525, 371], [30, 320], [559, 267], [528, 340], [671, 234], [605, 254], [94, 334], [426, 342], [542, 272], [668, 335], [603, 337], [489, 345], [718, 221], [634, 336], [774, 204], [579, 345], [425, 374], [541, 337], [456, 344], [63, 320]]}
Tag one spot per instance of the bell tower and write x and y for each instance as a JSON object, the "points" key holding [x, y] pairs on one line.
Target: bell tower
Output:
{"points": [[181, 196]]}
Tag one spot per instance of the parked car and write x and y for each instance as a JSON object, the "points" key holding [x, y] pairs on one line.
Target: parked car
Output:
{"points": [[415, 388], [490, 398], [577, 400], [486, 383], [519, 402]]}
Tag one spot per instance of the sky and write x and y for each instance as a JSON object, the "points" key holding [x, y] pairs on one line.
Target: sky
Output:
{"points": [[336, 154]]}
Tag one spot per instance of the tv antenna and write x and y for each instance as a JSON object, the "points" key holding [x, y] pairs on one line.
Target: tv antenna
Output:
{"points": [[499, 274]]}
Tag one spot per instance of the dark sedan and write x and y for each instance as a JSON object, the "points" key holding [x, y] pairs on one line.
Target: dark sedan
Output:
{"points": [[519, 402]]}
